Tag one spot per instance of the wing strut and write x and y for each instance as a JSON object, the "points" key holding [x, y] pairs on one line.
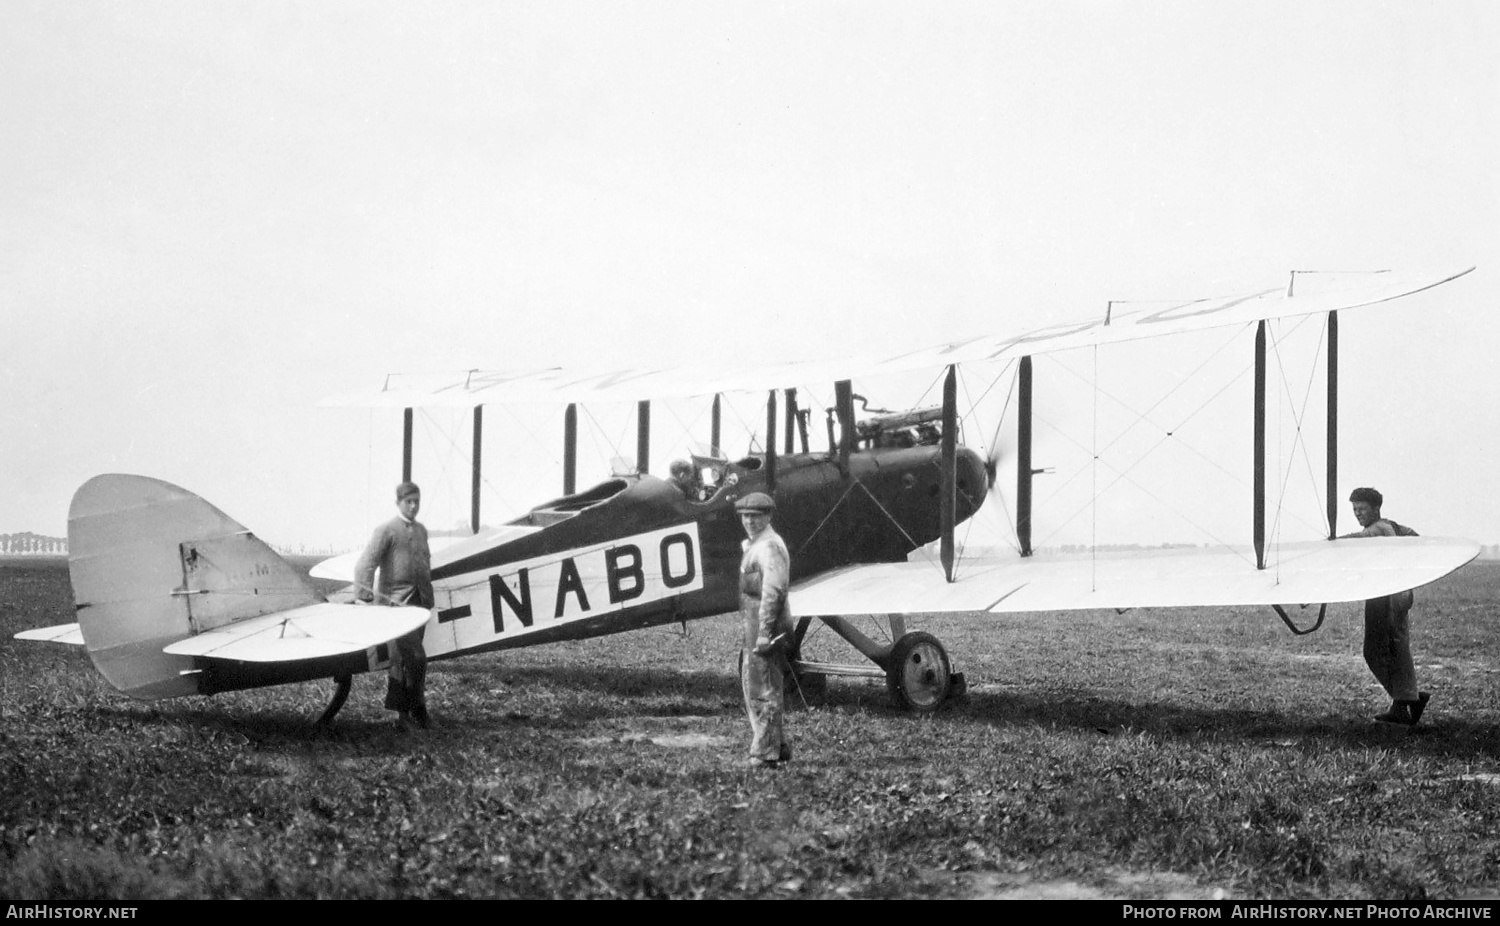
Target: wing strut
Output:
{"points": [[789, 424], [406, 446], [1024, 471], [715, 418], [1333, 424], [948, 498], [643, 436], [570, 449], [474, 483], [1260, 445], [843, 401], [771, 441]]}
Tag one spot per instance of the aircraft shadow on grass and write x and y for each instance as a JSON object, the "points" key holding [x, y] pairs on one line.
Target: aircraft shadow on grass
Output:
{"points": [[614, 693], [1446, 735]]}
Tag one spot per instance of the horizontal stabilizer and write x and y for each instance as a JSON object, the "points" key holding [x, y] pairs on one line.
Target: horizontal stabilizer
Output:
{"points": [[60, 633], [309, 632], [1310, 572]]}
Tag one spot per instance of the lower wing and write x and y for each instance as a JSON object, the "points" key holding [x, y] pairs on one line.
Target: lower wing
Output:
{"points": [[1308, 572]]}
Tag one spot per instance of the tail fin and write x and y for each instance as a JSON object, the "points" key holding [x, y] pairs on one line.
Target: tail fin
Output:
{"points": [[152, 564]]}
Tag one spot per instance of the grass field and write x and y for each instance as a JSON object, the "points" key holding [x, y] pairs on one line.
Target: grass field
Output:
{"points": [[1163, 754]]}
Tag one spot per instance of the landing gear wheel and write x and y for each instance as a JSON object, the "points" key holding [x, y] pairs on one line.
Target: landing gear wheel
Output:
{"points": [[918, 674]]}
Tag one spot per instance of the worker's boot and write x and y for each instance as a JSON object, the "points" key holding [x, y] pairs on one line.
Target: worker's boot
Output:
{"points": [[1400, 712], [1418, 706]]}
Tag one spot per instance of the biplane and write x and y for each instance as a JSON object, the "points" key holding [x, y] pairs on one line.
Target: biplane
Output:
{"points": [[175, 598]]}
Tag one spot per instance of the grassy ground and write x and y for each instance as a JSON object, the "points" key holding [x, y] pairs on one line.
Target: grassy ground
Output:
{"points": [[1166, 754]]}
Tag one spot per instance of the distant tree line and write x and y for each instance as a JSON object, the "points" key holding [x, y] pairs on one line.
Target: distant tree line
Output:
{"points": [[1486, 551], [1119, 547], [302, 549], [27, 542]]}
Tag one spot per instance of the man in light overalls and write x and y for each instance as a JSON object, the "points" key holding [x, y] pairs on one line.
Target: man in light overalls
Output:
{"points": [[765, 576]]}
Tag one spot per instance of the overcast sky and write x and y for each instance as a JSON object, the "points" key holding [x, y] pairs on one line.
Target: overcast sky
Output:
{"points": [[216, 214]]}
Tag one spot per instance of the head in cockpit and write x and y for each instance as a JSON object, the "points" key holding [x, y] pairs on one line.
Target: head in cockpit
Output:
{"points": [[684, 479]]}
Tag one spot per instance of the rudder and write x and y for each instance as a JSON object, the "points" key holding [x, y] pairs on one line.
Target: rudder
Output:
{"points": [[151, 563]]}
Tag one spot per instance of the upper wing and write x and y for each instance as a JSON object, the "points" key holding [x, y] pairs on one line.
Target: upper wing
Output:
{"points": [[1131, 324], [308, 632], [1304, 573], [553, 384]]}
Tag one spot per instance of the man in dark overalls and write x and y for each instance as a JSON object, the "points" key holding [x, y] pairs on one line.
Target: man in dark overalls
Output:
{"points": [[1387, 623], [399, 550]]}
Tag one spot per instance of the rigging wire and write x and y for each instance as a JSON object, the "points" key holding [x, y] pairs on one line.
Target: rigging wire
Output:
{"points": [[1173, 432], [599, 432], [434, 434], [990, 449], [685, 428], [1004, 409], [744, 425], [1299, 418], [1181, 385], [1094, 485], [1096, 457]]}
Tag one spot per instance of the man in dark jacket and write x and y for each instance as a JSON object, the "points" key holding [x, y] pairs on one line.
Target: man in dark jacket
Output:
{"points": [[399, 551], [1387, 625]]}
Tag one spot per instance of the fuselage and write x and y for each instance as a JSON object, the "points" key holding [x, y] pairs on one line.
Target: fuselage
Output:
{"points": [[636, 552]]}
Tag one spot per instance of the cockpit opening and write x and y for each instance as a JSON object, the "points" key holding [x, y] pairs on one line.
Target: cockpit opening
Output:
{"points": [[569, 505]]}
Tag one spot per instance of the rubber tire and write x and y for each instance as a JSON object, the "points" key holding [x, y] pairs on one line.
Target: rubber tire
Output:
{"points": [[918, 674]]}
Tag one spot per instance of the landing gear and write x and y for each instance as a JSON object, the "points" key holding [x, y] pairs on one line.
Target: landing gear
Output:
{"points": [[915, 668], [918, 674], [807, 688]]}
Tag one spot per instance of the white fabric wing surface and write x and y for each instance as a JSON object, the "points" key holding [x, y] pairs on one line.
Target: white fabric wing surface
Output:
{"points": [[308, 632], [59, 633], [1126, 322], [1300, 573]]}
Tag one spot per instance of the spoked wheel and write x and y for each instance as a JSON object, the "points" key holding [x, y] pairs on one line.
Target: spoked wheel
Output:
{"points": [[918, 674]]}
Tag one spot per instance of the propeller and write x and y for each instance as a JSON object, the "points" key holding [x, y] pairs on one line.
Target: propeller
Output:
{"points": [[969, 474], [992, 468]]}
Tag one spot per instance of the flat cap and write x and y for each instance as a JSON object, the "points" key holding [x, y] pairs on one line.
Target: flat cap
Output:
{"points": [[755, 501], [405, 489]]}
